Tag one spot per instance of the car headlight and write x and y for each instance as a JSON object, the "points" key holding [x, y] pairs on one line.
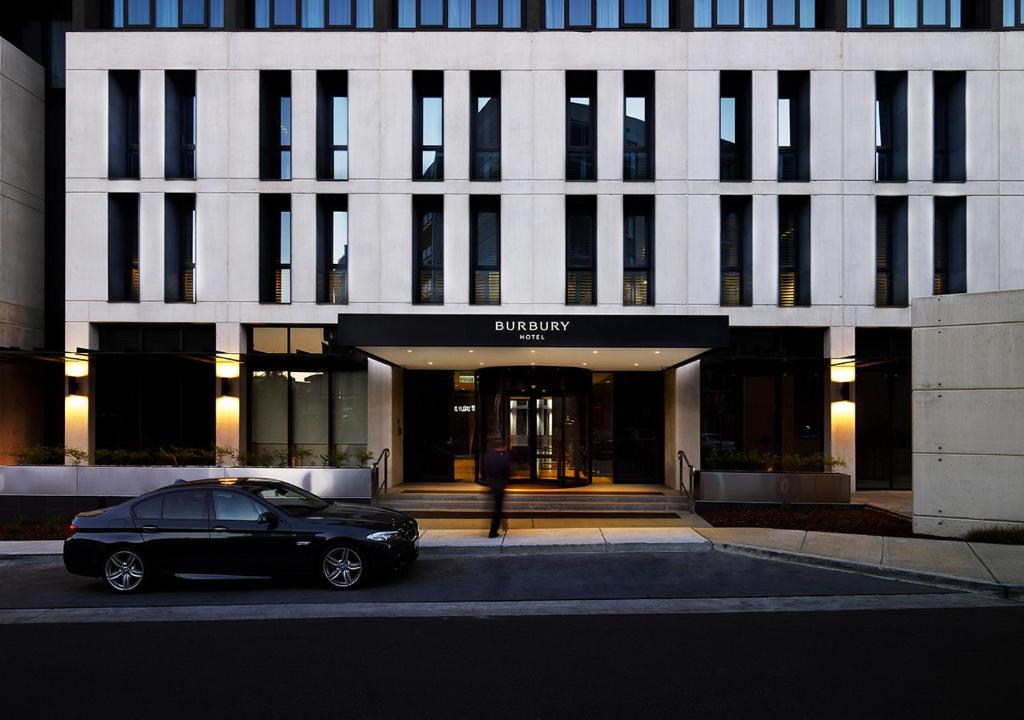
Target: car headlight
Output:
{"points": [[383, 536]]}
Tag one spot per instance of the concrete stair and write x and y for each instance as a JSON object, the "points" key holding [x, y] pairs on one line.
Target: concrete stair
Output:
{"points": [[535, 503]]}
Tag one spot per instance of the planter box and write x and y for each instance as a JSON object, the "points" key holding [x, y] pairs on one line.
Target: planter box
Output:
{"points": [[109, 481], [775, 487]]}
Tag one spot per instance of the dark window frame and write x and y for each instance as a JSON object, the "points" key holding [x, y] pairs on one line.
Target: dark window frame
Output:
{"points": [[331, 84], [739, 83], [1018, 16], [109, 15], [128, 85], [478, 204], [894, 293], [949, 163], [742, 269], [921, 25], [646, 79], [949, 262], [795, 208], [180, 148], [741, 25], [426, 84], [272, 150], [272, 268], [637, 206], [327, 270], [576, 80], [581, 205], [892, 153], [673, 23], [480, 81], [423, 204], [124, 255], [180, 252], [800, 126]]}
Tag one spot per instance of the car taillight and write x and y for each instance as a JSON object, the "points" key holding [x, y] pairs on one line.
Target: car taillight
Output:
{"points": [[72, 529]]}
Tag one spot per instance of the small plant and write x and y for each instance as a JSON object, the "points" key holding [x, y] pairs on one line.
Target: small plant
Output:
{"points": [[46, 455], [758, 461], [263, 458], [76, 456], [364, 456], [335, 458], [223, 454], [300, 456]]}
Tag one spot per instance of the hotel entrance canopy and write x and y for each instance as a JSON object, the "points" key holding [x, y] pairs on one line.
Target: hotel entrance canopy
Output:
{"points": [[595, 342]]}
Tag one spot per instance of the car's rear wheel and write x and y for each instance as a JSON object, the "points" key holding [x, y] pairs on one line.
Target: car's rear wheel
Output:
{"points": [[343, 567], [125, 570]]}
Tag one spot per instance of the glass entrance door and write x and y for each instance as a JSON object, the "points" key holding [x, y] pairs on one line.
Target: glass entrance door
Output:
{"points": [[539, 421]]}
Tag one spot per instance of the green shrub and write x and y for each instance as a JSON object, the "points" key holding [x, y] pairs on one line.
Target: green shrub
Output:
{"points": [[759, 461], [336, 458]]}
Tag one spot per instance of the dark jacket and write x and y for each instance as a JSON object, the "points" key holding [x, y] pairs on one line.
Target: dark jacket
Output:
{"points": [[496, 469]]}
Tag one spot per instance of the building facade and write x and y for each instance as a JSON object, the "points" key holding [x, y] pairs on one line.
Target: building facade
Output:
{"points": [[596, 232]]}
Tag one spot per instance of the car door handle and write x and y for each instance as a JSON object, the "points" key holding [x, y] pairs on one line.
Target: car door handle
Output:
{"points": [[219, 528], [149, 528]]}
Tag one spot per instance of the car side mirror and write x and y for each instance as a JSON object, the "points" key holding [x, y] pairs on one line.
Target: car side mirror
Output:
{"points": [[268, 518]]}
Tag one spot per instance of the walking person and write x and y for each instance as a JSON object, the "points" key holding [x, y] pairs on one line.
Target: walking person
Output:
{"points": [[496, 472]]}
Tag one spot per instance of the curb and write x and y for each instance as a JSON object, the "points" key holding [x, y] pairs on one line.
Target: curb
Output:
{"points": [[951, 582], [450, 550]]}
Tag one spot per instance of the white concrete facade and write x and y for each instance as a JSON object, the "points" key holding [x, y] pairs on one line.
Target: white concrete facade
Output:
{"points": [[533, 65], [968, 412], [22, 264]]}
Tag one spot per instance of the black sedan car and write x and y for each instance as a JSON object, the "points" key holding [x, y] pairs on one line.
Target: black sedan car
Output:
{"points": [[237, 526]]}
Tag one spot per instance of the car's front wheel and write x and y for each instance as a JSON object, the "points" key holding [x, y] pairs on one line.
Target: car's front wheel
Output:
{"points": [[343, 567], [125, 570]]}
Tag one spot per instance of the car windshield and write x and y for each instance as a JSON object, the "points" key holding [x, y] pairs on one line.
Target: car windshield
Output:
{"points": [[292, 500]]}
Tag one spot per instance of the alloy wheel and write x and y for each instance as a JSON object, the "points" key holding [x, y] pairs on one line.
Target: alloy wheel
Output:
{"points": [[342, 567], [124, 571]]}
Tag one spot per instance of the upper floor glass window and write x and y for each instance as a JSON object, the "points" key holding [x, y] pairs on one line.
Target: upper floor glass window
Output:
{"points": [[428, 249], [606, 14], [891, 127], [904, 14], [1013, 13], [147, 14], [580, 250], [275, 249], [485, 122], [275, 125], [460, 14], [638, 126], [332, 249], [794, 126], [332, 125], [181, 119], [638, 250], [428, 124], [734, 126], [754, 14], [312, 14], [485, 249], [123, 124], [581, 125]]}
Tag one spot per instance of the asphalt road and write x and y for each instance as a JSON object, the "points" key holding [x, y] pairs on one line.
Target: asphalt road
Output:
{"points": [[45, 584], [878, 664]]}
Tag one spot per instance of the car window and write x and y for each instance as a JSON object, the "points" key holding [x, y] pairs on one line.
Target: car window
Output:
{"points": [[185, 505], [229, 505], [292, 500], [150, 509]]}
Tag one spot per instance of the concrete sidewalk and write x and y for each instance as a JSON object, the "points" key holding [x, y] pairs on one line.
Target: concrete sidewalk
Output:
{"points": [[949, 563]]}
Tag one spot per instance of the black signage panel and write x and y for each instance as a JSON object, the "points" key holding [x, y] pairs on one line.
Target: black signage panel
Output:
{"points": [[512, 330]]}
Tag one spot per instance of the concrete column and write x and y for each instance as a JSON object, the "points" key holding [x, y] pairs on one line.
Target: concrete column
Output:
{"points": [[78, 418], [384, 423], [304, 124], [151, 247], [303, 248], [151, 124], [456, 125], [682, 419], [609, 250], [765, 240], [919, 130], [456, 250], [229, 430], [841, 440], [764, 94], [610, 109]]}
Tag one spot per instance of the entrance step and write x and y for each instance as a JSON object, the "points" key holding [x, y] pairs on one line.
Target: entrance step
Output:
{"points": [[535, 503]]}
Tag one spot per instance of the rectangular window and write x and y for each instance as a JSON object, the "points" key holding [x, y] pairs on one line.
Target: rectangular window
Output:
{"points": [[580, 125], [910, 14], [890, 127], [794, 126], [332, 125], [275, 249], [485, 121], [428, 249], [123, 247], [891, 252], [794, 251], [950, 128], [638, 125], [123, 124], [737, 251], [275, 125], [580, 250], [332, 249], [180, 238], [162, 14], [734, 126], [1013, 13], [638, 250], [428, 124], [485, 256], [180, 124], [950, 246]]}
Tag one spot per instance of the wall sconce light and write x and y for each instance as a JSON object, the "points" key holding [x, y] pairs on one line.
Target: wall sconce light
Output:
{"points": [[843, 371], [844, 392], [229, 387], [76, 375]]}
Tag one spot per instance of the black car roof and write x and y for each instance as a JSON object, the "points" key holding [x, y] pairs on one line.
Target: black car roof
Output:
{"points": [[224, 482]]}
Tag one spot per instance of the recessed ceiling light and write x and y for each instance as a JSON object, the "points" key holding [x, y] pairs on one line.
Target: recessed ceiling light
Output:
{"points": [[584, 364], [533, 363], [430, 362], [594, 351], [656, 352], [636, 364], [533, 351], [481, 362], [471, 351]]}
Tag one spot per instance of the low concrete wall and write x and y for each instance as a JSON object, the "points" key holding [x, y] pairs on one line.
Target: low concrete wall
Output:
{"points": [[102, 481], [968, 396], [779, 487]]}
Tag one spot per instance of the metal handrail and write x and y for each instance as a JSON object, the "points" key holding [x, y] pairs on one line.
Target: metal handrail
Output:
{"points": [[375, 472], [691, 494]]}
